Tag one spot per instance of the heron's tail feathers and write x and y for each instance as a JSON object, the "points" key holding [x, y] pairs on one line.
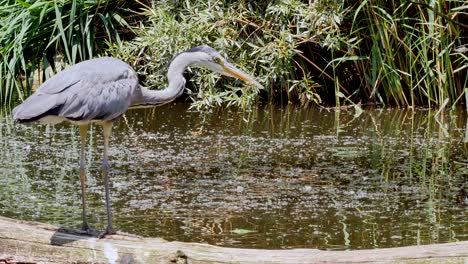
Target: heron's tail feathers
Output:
{"points": [[36, 107]]}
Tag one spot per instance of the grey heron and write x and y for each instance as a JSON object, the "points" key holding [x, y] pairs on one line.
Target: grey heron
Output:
{"points": [[101, 90]]}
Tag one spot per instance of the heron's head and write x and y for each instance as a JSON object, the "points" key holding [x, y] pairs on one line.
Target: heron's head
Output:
{"points": [[208, 57]]}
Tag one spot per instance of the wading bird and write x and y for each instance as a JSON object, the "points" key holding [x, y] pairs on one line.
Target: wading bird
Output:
{"points": [[101, 90]]}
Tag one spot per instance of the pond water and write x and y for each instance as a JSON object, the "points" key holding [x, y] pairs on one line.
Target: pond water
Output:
{"points": [[270, 178]]}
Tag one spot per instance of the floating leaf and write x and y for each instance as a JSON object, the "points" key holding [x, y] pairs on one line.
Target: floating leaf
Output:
{"points": [[358, 110], [240, 231]]}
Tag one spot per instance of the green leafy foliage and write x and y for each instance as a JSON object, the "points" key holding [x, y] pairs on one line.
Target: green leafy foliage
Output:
{"points": [[264, 47]]}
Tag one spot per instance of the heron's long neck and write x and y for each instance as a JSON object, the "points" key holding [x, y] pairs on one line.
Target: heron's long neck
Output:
{"points": [[145, 97]]}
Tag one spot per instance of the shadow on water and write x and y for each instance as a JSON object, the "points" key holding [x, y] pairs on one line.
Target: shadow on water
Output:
{"points": [[269, 178]]}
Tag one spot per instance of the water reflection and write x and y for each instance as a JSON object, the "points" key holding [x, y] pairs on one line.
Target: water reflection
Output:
{"points": [[292, 177]]}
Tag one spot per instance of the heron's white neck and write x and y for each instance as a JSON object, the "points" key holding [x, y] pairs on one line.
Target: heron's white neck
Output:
{"points": [[145, 97]]}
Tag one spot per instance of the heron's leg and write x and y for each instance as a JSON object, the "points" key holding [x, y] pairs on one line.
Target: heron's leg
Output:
{"points": [[83, 134], [106, 129]]}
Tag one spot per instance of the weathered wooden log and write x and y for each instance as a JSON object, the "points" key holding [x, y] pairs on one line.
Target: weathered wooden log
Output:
{"points": [[25, 242]]}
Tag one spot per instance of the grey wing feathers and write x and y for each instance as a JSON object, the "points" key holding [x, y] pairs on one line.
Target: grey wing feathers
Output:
{"points": [[95, 89], [105, 101], [35, 107]]}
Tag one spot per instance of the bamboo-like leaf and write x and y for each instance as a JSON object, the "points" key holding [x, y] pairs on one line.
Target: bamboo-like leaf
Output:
{"points": [[358, 11], [463, 67], [23, 3], [61, 32], [71, 17], [459, 8]]}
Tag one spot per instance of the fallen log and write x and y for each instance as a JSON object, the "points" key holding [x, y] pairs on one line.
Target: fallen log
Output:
{"points": [[26, 242]]}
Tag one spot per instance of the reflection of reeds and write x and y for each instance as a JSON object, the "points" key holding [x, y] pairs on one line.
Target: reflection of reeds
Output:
{"points": [[301, 177], [38, 171], [433, 144]]}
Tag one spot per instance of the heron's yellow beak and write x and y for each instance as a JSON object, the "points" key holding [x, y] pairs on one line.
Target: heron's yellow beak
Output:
{"points": [[232, 71]]}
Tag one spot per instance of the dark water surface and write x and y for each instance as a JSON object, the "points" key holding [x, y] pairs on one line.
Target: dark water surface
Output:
{"points": [[271, 178]]}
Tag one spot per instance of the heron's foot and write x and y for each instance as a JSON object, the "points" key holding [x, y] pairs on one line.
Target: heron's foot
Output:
{"points": [[108, 231], [85, 227], [86, 230], [91, 232]]}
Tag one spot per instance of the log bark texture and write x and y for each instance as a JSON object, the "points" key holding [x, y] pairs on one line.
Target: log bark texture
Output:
{"points": [[26, 242]]}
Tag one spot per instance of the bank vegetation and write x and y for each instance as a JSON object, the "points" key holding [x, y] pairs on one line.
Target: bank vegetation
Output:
{"points": [[328, 53]]}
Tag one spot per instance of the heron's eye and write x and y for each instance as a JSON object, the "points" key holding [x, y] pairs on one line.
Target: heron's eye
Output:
{"points": [[218, 60]]}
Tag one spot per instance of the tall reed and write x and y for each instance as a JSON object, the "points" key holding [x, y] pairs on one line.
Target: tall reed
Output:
{"points": [[416, 51], [37, 35]]}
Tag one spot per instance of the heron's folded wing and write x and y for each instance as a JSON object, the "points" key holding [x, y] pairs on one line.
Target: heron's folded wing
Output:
{"points": [[98, 101]]}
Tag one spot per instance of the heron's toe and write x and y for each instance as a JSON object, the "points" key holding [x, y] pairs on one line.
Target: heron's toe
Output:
{"points": [[92, 232], [108, 231]]}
